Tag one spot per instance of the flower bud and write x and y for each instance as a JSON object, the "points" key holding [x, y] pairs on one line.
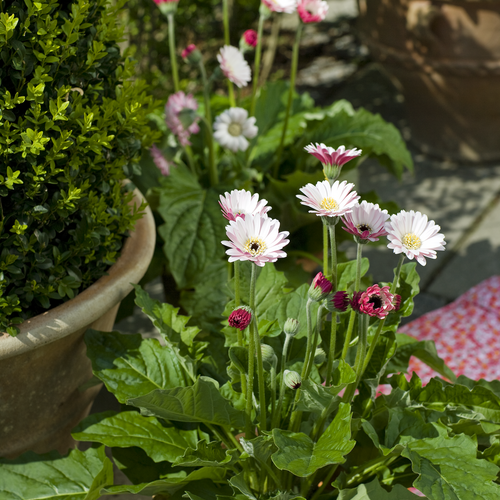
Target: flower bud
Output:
{"points": [[356, 297], [240, 318], [292, 379], [191, 54], [319, 356], [320, 288], [339, 302], [167, 6], [268, 355], [291, 327], [396, 302], [248, 41]]}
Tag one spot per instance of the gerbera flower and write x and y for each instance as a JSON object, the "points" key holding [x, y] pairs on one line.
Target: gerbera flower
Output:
{"points": [[233, 65], [159, 160], [312, 11], [414, 235], [329, 200], [366, 222], [255, 238], [331, 159], [287, 6], [178, 106], [233, 128], [239, 203], [376, 301]]}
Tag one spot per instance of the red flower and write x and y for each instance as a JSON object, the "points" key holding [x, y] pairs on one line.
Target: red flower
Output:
{"points": [[240, 318], [250, 37], [188, 50], [376, 301]]}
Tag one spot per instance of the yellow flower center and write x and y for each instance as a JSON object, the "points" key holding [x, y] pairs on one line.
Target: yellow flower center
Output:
{"points": [[255, 246], [412, 241], [329, 204], [234, 129]]}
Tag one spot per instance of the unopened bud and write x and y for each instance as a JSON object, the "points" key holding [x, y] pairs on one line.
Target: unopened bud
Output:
{"points": [[320, 288], [166, 8], [319, 356], [292, 379], [268, 355], [248, 41], [291, 327], [339, 302], [240, 318], [191, 54]]}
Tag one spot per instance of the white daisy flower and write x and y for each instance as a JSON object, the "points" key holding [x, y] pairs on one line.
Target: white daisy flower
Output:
{"points": [[233, 128], [233, 65], [329, 201], [239, 203], [414, 235], [366, 222], [287, 6], [255, 238]]}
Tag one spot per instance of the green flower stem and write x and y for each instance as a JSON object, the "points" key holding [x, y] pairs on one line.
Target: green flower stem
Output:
{"points": [[273, 389], [251, 363], [360, 356], [352, 317], [295, 61], [192, 164], [381, 325], [333, 246], [310, 360], [309, 338], [214, 175], [225, 15], [237, 296], [326, 482], [325, 247], [331, 354], [277, 415], [171, 44], [256, 67]]}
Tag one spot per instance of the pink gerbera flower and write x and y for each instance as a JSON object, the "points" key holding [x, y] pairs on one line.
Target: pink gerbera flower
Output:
{"points": [[414, 235], [366, 222], [234, 66], [255, 238], [240, 318], [376, 301], [329, 156], [312, 11], [180, 105], [248, 41], [159, 160], [240, 203], [287, 6], [329, 200]]}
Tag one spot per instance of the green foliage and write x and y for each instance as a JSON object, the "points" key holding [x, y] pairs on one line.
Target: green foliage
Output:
{"points": [[72, 124]]}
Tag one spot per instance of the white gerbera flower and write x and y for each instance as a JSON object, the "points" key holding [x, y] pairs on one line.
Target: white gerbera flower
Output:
{"points": [[233, 128], [233, 65], [287, 6], [329, 201], [414, 235], [366, 222], [255, 238], [239, 203]]}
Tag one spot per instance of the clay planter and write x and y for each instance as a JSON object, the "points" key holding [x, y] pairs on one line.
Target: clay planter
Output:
{"points": [[42, 369], [445, 55]]}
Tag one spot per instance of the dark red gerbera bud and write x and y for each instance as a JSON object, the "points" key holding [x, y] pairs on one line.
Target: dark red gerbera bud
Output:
{"points": [[240, 318], [356, 297], [320, 287], [340, 301]]}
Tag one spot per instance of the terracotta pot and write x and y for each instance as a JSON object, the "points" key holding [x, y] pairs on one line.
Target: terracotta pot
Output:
{"points": [[445, 56], [43, 367]]}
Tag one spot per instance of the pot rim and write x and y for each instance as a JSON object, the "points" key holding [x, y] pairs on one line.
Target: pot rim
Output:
{"points": [[95, 300]]}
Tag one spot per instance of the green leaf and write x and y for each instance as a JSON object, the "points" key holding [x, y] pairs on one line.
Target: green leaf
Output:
{"points": [[425, 350], [130, 365], [269, 104], [238, 484], [201, 402], [299, 454], [194, 226], [448, 468], [166, 318], [373, 491], [79, 475], [293, 305], [346, 272], [169, 484], [261, 448], [207, 455], [129, 428]]}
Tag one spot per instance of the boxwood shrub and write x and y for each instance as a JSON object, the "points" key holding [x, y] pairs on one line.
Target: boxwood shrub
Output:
{"points": [[72, 124]]}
